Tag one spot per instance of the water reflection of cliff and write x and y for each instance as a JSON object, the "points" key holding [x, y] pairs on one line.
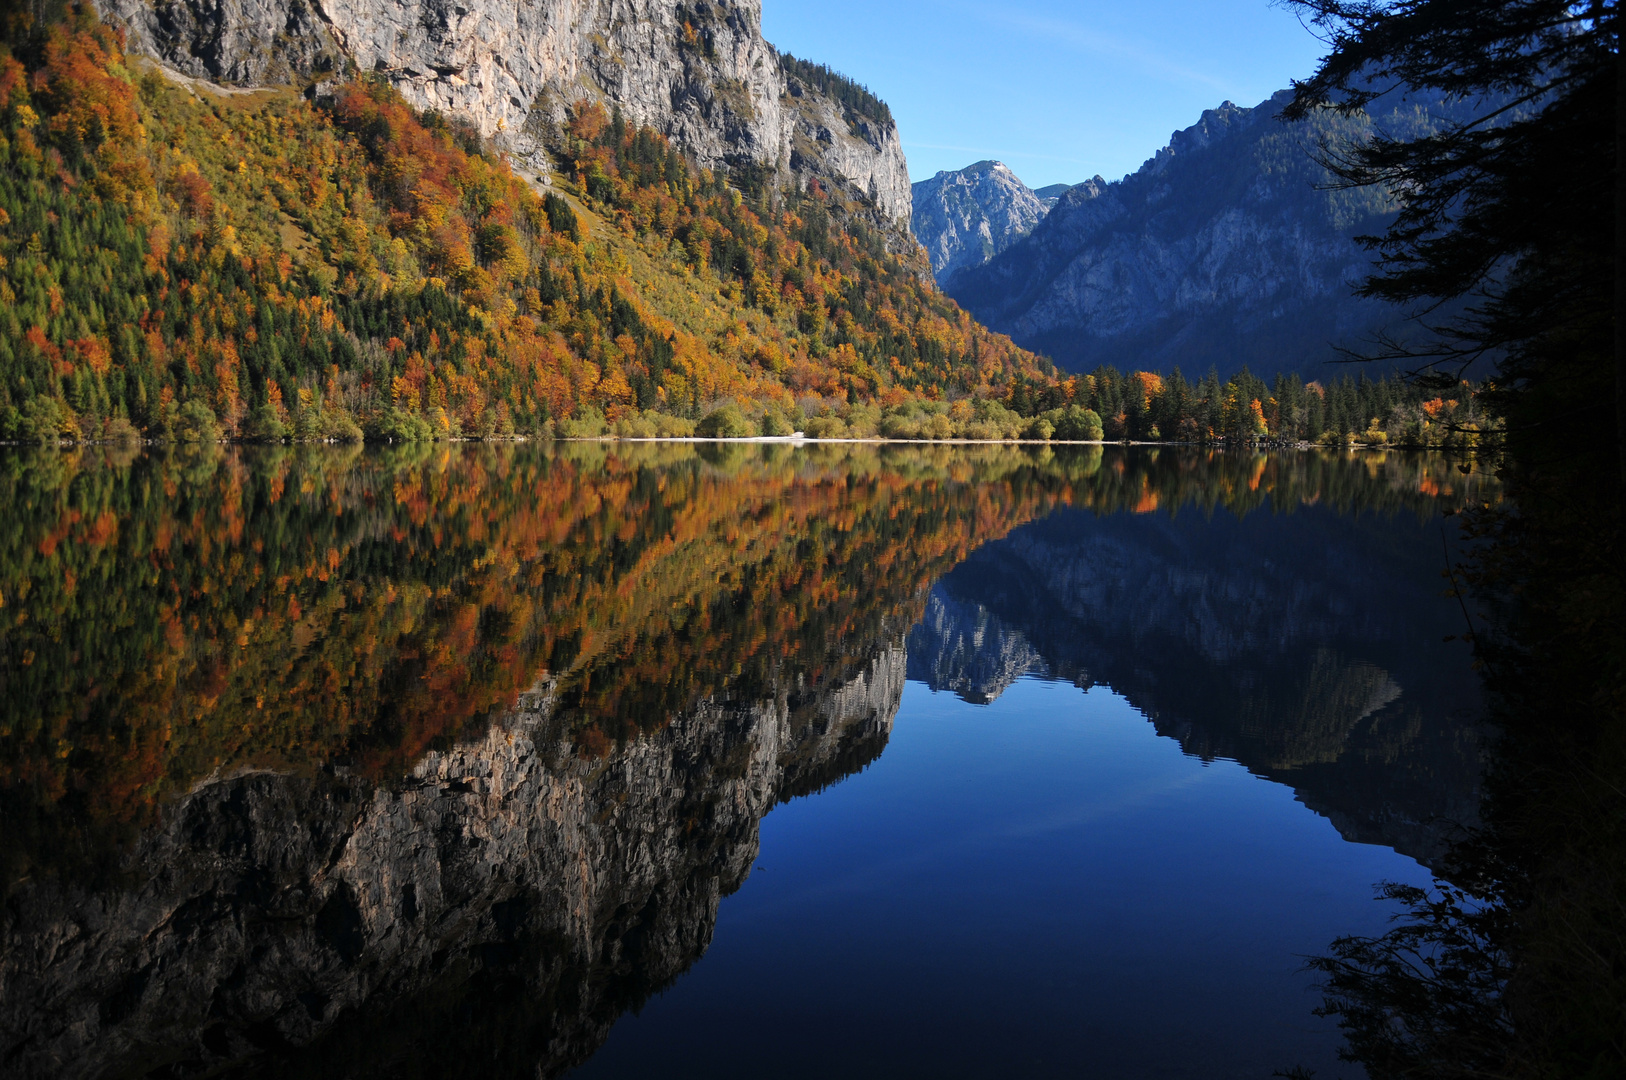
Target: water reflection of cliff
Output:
{"points": [[378, 764], [1308, 646], [503, 902], [270, 802]]}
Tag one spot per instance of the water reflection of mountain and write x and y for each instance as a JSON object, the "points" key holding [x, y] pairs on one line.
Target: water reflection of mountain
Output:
{"points": [[269, 807], [1307, 646], [505, 903]]}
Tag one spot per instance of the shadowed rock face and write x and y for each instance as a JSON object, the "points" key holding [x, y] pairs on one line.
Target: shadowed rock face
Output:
{"points": [[1226, 248], [1307, 647], [505, 902], [700, 73]]}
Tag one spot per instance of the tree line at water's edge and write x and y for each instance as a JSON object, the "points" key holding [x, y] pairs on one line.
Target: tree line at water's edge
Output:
{"points": [[181, 265]]}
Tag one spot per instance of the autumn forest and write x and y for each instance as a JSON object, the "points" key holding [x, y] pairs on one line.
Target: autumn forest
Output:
{"points": [[184, 264]]}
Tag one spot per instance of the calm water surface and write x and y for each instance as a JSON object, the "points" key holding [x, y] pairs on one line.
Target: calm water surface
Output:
{"points": [[633, 760]]}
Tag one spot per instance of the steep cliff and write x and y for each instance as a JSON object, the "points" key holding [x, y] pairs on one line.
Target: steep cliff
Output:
{"points": [[965, 218], [505, 901], [700, 73], [832, 142], [1226, 248]]}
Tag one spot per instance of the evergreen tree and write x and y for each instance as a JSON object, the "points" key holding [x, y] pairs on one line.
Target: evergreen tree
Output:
{"points": [[1508, 208], [1515, 967]]}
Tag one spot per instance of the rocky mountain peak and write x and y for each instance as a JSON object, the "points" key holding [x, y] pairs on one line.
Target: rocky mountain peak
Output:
{"points": [[1216, 124], [983, 168], [966, 217], [1078, 194]]}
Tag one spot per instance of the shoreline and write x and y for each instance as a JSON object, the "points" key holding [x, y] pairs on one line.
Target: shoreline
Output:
{"points": [[761, 440]]}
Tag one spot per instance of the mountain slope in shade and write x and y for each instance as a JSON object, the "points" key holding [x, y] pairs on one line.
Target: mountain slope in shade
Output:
{"points": [[1226, 248], [966, 217]]}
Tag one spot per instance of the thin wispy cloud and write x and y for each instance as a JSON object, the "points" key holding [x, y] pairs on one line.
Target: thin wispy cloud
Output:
{"points": [[1092, 42]]}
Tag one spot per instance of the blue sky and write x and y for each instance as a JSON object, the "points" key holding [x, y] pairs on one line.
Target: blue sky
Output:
{"points": [[1058, 91]]}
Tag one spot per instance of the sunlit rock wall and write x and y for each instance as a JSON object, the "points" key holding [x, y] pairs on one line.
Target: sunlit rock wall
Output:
{"points": [[966, 217], [701, 73]]}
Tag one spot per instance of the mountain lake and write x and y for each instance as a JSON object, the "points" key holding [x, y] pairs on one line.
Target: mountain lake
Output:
{"points": [[715, 760]]}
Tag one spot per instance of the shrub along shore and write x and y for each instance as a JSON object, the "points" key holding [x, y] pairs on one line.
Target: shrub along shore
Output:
{"points": [[1144, 408]]}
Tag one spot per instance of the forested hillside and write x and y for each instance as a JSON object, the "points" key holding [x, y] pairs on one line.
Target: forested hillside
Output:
{"points": [[260, 264], [190, 264]]}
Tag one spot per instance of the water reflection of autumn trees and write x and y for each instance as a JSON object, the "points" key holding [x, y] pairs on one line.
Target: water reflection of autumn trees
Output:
{"points": [[165, 619]]}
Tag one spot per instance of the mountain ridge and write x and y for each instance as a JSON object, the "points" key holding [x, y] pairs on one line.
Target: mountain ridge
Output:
{"points": [[320, 259], [1228, 248]]}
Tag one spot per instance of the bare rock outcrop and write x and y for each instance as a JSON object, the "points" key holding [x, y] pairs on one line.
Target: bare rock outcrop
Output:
{"points": [[966, 217], [824, 140], [700, 72]]}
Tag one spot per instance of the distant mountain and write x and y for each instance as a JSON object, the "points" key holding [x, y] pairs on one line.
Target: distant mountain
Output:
{"points": [[965, 218], [1052, 194], [1226, 248]]}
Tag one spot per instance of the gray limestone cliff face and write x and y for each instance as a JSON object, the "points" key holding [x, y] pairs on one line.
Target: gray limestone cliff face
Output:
{"points": [[1225, 248], [506, 901], [965, 218], [701, 73], [823, 141]]}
